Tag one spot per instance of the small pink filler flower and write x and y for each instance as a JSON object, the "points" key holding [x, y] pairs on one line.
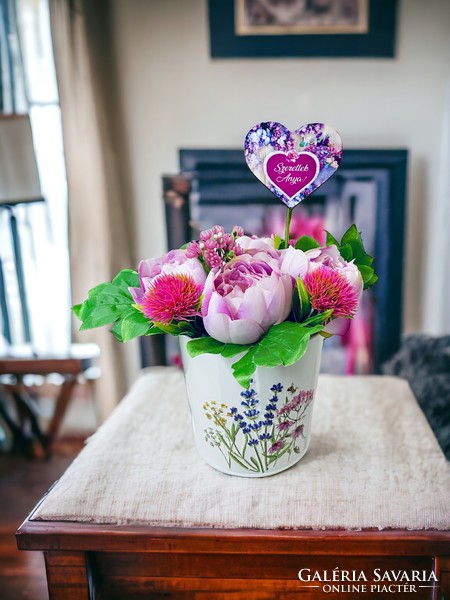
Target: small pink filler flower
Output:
{"points": [[329, 289], [172, 297]]}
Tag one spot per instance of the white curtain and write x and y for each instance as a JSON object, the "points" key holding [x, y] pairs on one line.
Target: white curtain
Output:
{"points": [[100, 205], [29, 86]]}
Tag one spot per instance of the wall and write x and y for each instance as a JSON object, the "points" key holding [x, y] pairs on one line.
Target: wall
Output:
{"points": [[174, 95]]}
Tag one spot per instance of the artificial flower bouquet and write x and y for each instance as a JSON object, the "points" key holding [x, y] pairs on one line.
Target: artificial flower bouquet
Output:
{"points": [[256, 299], [251, 310]]}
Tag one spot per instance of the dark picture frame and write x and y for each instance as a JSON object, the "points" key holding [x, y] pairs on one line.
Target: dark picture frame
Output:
{"points": [[378, 42], [219, 176]]}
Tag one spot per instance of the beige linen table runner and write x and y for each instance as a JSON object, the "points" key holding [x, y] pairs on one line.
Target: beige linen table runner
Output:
{"points": [[373, 462]]}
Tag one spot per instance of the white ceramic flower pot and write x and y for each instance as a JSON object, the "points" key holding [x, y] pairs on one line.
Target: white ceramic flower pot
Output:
{"points": [[256, 432]]}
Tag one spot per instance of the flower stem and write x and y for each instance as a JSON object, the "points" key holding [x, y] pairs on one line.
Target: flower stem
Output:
{"points": [[259, 459], [288, 223]]}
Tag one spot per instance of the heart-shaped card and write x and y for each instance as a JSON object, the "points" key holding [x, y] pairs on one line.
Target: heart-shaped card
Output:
{"points": [[292, 164]]}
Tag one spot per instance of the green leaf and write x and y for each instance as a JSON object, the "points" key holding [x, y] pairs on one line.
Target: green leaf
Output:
{"points": [[244, 368], [304, 307], [110, 297], [295, 304], [306, 243], [108, 289], [331, 241], [318, 319], [208, 345], [77, 309], [134, 324], [346, 252], [97, 316], [368, 275], [277, 241], [106, 302], [351, 235], [361, 258], [204, 345], [283, 344], [125, 279], [154, 330], [117, 330], [372, 280], [230, 350], [325, 334], [180, 328]]}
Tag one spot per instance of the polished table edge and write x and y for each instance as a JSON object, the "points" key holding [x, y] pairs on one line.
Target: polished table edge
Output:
{"points": [[69, 535]]}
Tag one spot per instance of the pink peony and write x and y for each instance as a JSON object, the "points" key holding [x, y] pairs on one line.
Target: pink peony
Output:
{"points": [[172, 263], [295, 262], [244, 298], [252, 245]]}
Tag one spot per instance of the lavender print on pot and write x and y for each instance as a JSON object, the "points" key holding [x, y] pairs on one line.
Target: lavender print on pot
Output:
{"points": [[292, 164], [255, 434]]}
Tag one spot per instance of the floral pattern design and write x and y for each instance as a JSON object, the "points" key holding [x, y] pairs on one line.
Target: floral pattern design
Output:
{"points": [[257, 434], [317, 138]]}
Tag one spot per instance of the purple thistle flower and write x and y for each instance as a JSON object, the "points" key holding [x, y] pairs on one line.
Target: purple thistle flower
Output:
{"points": [[277, 446], [284, 425], [298, 431]]}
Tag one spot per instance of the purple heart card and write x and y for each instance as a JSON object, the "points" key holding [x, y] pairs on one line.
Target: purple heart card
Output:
{"points": [[292, 164]]}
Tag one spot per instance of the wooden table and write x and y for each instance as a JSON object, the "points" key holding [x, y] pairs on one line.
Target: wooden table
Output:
{"points": [[105, 559], [86, 561]]}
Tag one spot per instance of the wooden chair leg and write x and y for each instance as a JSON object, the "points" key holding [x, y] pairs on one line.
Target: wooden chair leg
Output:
{"points": [[28, 413], [21, 441], [62, 402]]}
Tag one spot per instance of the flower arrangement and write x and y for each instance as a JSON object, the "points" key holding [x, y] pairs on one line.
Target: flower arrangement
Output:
{"points": [[255, 299]]}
